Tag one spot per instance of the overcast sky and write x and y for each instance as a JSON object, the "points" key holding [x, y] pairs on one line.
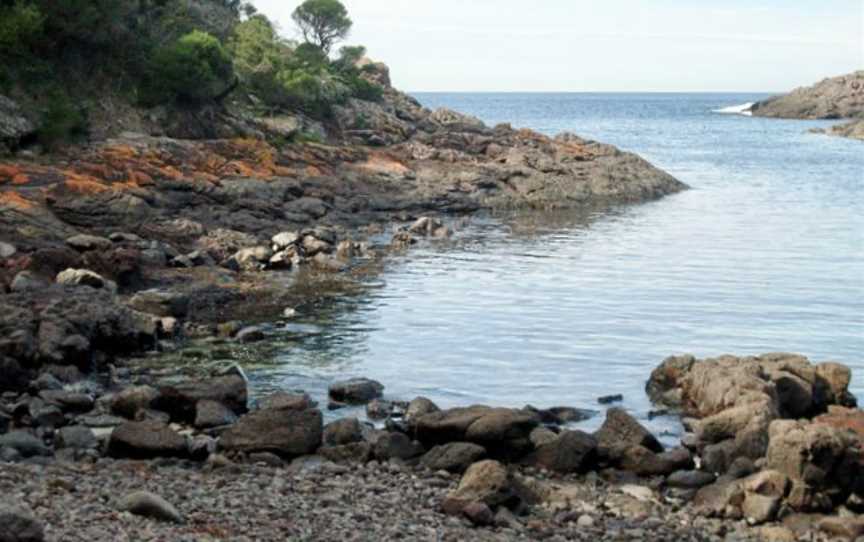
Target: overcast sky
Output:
{"points": [[604, 45]]}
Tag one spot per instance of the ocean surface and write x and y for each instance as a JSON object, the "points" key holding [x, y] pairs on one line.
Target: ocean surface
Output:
{"points": [[765, 253]]}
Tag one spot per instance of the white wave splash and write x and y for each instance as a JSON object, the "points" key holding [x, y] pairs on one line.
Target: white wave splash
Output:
{"points": [[743, 109]]}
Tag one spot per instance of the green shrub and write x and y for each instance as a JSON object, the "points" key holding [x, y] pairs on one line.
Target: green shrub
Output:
{"points": [[193, 70], [20, 25], [61, 122]]}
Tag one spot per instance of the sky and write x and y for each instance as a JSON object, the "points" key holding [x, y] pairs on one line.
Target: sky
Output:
{"points": [[603, 45]]}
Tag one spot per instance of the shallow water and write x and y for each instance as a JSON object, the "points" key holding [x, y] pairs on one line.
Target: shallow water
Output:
{"points": [[765, 253]]}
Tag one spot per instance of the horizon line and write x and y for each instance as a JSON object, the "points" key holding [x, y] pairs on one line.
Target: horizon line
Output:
{"points": [[594, 92]]}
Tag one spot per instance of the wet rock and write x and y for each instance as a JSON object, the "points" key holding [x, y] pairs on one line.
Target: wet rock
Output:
{"points": [[161, 303], [287, 401], [26, 444], [429, 227], [343, 431], [181, 400], [453, 457], [209, 414], [284, 432], [355, 391], [150, 505], [609, 399], [146, 440], [402, 240], [690, 479], [392, 445], [572, 451], [129, 401], [18, 524], [621, 430], [250, 334], [378, 409], [418, 407], [84, 243]]}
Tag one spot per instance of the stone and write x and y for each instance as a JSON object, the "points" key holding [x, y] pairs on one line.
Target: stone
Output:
{"points": [[820, 460], [585, 521], [250, 334], [18, 524], [84, 243], [572, 451], [378, 409], [453, 457], [7, 250], [690, 479], [150, 505], [129, 401], [479, 514], [392, 445], [776, 533], [609, 399], [487, 482], [27, 281], [833, 381], [343, 431], [848, 528], [13, 377], [542, 435], [355, 391], [24, 443], [285, 432], [161, 303], [418, 407], [288, 401], [84, 277], [285, 239], [353, 452], [76, 437], [209, 414], [181, 400], [254, 258], [621, 430], [146, 440], [644, 462]]}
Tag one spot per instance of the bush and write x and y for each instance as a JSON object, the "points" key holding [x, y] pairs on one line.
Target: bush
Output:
{"points": [[62, 121], [194, 70], [20, 26]]}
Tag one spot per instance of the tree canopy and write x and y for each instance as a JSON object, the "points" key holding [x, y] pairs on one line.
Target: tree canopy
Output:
{"points": [[322, 22]]}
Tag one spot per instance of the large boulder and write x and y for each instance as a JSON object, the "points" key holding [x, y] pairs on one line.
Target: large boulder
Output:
{"points": [[146, 440], [355, 391], [285, 432], [453, 457], [129, 401], [504, 432], [572, 451], [181, 400], [621, 430], [823, 463]]}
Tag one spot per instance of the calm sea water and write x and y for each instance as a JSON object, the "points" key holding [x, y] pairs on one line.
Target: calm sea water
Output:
{"points": [[765, 253]]}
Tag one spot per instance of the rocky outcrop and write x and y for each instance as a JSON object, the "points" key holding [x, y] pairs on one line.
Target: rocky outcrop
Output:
{"points": [[851, 130], [834, 98], [778, 411]]}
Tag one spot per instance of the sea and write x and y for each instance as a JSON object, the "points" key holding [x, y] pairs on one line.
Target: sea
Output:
{"points": [[765, 253]]}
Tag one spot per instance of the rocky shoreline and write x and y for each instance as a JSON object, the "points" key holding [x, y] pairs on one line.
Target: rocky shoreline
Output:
{"points": [[833, 98], [774, 451]]}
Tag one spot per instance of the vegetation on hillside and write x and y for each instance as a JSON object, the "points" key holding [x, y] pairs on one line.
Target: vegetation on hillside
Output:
{"points": [[184, 54]]}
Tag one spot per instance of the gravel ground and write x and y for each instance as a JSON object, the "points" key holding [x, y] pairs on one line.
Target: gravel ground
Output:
{"points": [[80, 502]]}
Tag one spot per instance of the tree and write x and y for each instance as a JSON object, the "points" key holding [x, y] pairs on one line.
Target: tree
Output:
{"points": [[322, 22], [195, 69]]}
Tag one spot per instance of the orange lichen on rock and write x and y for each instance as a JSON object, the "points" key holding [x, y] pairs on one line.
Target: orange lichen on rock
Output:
{"points": [[16, 201], [380, 162]]}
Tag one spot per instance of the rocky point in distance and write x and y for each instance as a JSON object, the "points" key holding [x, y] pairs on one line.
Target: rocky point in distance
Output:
{"points": [[834, 98]]}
